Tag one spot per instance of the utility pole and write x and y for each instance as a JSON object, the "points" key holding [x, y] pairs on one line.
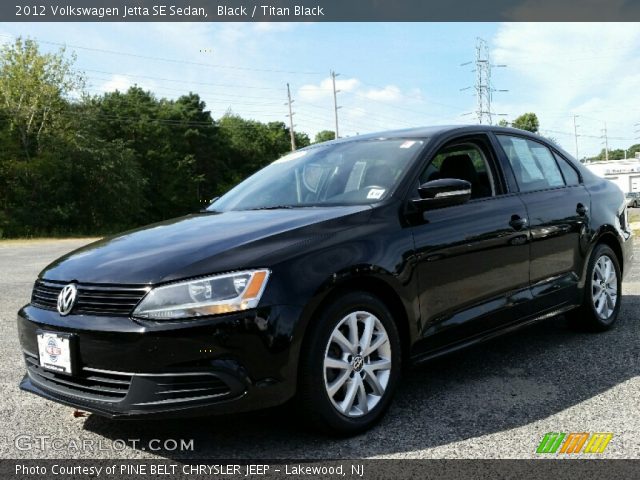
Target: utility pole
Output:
{"points": [[575, 133], [291, 132], [335, 100], [606, 142], [483, 87]]}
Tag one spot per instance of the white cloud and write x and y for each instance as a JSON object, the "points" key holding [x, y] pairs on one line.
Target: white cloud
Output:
{"points": [[365, 108], [117, 82], [313, 92], [122, 83], [561, 69], [390, 93]]}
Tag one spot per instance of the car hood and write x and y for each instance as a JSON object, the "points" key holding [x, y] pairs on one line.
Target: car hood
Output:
{"points": [[201, 244]]}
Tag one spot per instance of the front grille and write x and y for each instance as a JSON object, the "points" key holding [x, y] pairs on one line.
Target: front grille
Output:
{"points": [[117, 300], [90, 384]]}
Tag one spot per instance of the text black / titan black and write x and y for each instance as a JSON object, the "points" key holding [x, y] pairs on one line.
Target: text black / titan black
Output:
{"points": [[323, 274]]}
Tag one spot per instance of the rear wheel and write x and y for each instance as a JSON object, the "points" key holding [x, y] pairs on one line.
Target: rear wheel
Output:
{"points": [[350, 366], [601, 304]]}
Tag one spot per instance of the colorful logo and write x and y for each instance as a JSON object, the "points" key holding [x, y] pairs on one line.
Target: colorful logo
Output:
{"points": [[574, 442], [53, 350]]}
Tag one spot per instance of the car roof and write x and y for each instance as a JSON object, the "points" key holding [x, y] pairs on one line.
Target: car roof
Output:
{"points": [[436, 130]]}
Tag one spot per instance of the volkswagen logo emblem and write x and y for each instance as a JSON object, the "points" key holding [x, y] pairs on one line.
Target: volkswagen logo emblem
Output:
{"points": [[67, 299], [358, 363]]}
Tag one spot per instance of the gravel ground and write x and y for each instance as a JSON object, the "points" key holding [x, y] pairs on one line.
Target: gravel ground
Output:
{"points": [[495, 400]]}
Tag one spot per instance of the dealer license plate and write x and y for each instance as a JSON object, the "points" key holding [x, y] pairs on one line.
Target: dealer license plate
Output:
{"points": [[55, 352]]}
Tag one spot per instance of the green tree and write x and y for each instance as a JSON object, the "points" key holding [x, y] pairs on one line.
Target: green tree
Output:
{"points": [[633, 150], [527, 121], [324, 136], [165, 138], [33, 89], [104, 163], [253, 145], [503, 123]]}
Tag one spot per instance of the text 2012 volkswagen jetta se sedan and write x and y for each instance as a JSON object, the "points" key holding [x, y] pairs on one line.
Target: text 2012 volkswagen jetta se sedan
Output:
{"points": [[321, 275]]}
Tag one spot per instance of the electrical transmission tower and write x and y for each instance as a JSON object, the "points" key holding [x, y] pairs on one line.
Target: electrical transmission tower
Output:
{"points": [[483, 88]]}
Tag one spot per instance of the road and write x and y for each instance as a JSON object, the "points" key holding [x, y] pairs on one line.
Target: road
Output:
{"points": [[495, 400]]}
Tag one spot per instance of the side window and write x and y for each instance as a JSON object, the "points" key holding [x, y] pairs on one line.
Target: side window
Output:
{"points": [[466, 162], [571, 177], [533, 164]]}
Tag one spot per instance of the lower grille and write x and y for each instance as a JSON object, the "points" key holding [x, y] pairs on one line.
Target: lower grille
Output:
{"points": [[149, 390], [116, 300], [190, 387], [90, 384]]}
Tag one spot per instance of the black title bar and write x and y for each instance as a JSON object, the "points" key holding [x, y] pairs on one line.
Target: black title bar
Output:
{"points": [[318, 10]]}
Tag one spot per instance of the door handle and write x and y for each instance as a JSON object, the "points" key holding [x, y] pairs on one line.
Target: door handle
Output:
{"points": [[517, 222], [581, 210]]}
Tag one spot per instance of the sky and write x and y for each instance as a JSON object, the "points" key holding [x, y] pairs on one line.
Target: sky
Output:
{"points": [[391, 75]]}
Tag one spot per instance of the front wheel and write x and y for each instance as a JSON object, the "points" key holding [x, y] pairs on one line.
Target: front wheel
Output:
{"points": [[601, 304], [350, 365]]}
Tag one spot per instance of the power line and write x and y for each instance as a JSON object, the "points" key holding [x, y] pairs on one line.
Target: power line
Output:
{"points": [[411, 97], [169, 60], [183, 81]]}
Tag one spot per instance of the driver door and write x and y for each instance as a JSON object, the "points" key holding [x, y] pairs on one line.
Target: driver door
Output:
{"points": [[472, 259]]}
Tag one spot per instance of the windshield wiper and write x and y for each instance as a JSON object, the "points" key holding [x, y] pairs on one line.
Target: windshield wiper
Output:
{"points": [[273, 207]]}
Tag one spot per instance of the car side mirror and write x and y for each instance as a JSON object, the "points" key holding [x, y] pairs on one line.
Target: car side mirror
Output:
{"points": [[444, 192], [205, 209]]}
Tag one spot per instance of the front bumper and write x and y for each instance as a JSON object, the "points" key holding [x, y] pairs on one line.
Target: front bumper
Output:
{"points": [[132, 369]]}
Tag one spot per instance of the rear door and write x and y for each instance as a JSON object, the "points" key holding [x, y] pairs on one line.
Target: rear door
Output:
{"points": [[558, 210]]}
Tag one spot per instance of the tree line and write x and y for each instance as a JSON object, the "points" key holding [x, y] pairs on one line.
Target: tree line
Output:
{"points": [[80, 164]]}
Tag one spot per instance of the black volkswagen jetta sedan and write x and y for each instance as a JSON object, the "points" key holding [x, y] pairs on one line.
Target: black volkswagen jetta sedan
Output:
{"points": [[322, 275]]}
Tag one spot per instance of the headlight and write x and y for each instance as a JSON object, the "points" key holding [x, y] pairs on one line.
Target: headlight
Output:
{"points": [[230, 292]]}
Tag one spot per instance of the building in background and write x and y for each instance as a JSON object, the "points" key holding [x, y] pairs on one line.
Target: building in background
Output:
{"points": [[624, 173]]}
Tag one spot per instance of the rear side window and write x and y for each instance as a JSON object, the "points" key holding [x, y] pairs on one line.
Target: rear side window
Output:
{"points": [[533, 164], [571, 177]]}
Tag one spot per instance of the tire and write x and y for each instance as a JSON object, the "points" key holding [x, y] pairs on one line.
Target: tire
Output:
{"points": [[324, 391], [600, 307]]}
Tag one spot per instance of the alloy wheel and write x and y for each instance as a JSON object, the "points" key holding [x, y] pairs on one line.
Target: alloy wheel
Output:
{"points": [[357, 364], [604, 287]]}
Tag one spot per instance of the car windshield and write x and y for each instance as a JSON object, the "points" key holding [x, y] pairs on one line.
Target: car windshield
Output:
{"points": [[349, 173]]}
